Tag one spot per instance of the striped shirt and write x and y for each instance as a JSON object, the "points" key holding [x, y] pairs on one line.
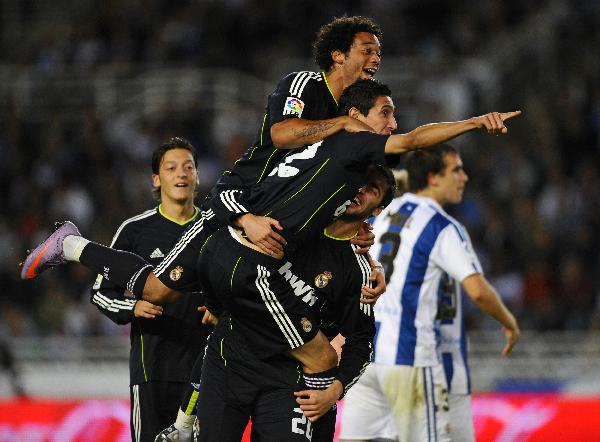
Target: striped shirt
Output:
{"points": [[420, 246]]}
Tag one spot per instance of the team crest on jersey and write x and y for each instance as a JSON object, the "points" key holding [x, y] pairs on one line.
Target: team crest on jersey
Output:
{"points": [[293, 106], [322, 279], [176, 273], [306, 324]]}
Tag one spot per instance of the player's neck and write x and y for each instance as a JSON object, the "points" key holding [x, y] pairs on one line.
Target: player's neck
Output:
{"points": [[343, 230], [336, 82], [430, 193], [177, 211]]}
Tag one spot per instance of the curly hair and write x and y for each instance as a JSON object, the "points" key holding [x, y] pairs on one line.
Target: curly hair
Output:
{"points": [[339, 35]]}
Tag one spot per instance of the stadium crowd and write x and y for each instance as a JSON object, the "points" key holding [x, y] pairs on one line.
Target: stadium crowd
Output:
{"points": [[532, 206]]}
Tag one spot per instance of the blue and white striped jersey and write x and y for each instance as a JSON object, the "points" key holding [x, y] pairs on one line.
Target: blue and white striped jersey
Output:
{"points": [[453, 341], [420, 247]]}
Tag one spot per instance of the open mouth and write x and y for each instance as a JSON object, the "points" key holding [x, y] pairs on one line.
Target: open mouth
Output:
{"points": [[370, 72], [355, 202], [181, 185]]}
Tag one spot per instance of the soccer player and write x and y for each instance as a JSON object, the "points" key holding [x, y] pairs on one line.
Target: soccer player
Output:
{"points": [[364, 100], [165, 341], [327, 275], [304, 193], [302, 110], [426, 254]]}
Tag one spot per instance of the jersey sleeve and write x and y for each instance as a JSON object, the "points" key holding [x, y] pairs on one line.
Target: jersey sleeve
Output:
{"points": [[228, 204], [110, 299], [454, 253], [298, 95], [357, 324]]}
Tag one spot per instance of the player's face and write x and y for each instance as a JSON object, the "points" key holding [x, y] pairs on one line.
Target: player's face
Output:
{"points": [[452, 180], [363, 59], [367, 200], [177, 176], [381, 116]]}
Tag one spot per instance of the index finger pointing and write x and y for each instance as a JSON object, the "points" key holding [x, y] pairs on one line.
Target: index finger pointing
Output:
{"points": [[508, 115]]}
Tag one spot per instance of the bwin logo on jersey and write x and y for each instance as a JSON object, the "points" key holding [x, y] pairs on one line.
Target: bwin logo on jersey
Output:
{"points": [[301, 289]]}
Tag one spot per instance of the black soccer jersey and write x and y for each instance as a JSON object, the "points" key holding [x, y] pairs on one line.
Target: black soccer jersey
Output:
{"points": [[312, 186], [337, 274], [298, 95], [166, 347], [327, 276]]}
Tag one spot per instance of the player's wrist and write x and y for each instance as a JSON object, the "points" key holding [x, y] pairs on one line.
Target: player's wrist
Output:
{"points": [[337, 388]]}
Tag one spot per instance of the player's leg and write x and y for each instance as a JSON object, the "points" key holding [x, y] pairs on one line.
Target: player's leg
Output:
{"points": [[277, 417], [418, 399], [153, 405], [66, 244], [127, 270], [366, 414], [461, 418], [229, 386], [186, 414]]}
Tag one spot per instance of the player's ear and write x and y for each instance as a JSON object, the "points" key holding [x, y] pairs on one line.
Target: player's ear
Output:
{"points": [[338, 56], [156, 180], [432, 179], [354, 112]]}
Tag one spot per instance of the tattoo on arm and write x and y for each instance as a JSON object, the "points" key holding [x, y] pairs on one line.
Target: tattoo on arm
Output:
{"points": [[314, 130]]}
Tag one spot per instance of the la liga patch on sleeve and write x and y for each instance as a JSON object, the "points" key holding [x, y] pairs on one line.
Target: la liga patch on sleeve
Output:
{"points": [[293, 106]]}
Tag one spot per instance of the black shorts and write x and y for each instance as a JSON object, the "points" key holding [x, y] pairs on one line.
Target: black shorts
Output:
{"points": [[260, 301], [237, 386], [154, 407]]}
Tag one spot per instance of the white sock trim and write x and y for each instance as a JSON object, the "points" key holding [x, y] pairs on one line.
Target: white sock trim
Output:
{"points": [[184, 421], [73, 246]]}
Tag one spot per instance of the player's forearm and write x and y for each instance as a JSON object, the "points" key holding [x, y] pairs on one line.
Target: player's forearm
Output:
{"points": [[296, 132], [488, 300], [428, 135], [157, 293], [356, 354]]}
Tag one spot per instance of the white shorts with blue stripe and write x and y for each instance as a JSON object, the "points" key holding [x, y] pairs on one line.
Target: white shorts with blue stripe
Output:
{"points": [[398, 401]]}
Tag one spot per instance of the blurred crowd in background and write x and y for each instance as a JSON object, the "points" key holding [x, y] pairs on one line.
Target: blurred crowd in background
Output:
{"points": [[532, 205]]}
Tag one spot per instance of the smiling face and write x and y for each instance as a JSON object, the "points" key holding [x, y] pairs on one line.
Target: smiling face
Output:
{"points": [[177, 176], [363, 59], [368, 200]]}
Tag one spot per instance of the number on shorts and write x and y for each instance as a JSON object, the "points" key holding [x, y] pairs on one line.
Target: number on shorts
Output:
{"points": [[298, 424]]}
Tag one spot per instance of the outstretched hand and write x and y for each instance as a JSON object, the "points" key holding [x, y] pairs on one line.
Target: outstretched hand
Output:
{"points": [[493, 122]]}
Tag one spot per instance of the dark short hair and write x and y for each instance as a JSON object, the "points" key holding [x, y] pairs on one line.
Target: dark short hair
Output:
{"points": [[338, 35], [420, 163], [362, 95], [160, 151], [173, 143], [385, 176]]}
